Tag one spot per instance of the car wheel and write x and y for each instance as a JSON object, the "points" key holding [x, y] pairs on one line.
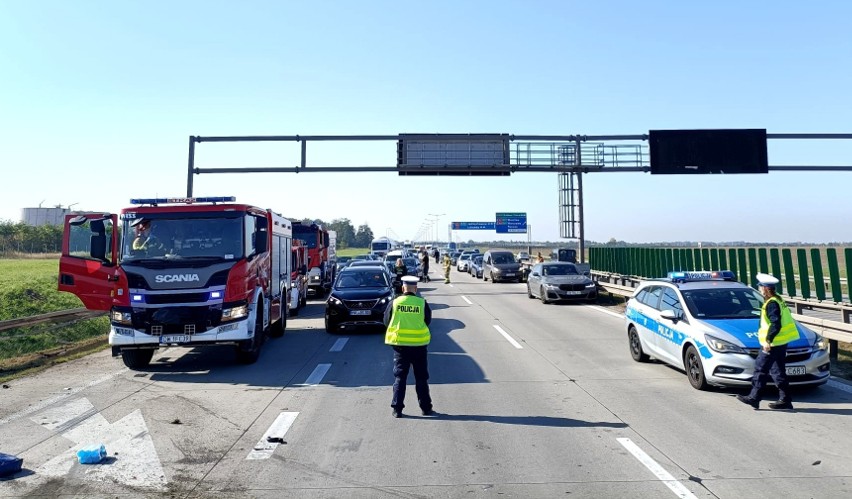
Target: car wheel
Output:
{"points": [[331, 327], [484, 276], [636, 351], [249, 351], [492, 279], [694, 369], [543, 295], [529, 291], [137, 359]]}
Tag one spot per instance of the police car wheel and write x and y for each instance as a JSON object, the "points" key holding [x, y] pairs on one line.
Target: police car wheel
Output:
{"points": [[636, 351], [694, 369]]}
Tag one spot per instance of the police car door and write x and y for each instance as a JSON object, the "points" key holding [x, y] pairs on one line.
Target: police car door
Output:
{"points": [[648, 302], [670, 333]]}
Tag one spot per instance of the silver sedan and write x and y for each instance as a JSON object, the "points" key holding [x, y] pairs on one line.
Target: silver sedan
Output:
{"points": [[555, 281]]}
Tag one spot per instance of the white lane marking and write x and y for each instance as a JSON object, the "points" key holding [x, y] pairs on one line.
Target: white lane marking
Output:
{"points": [[48, 402], [601, 309], [468, 301], [508, 338], [450, 285], [840, 386], [65, 415], [133, 460], [273, 437], [664, 476], [338, 345], [319, 373]]}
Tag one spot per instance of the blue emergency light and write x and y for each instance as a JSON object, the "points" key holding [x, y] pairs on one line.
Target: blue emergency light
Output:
{"points": [[209, 199], [715, 275]]}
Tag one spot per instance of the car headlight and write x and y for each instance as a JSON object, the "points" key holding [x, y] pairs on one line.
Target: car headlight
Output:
{"points": [[553, 286], [234, 313], [723, 346], [121, 317], [820, 343], [385, 300], [591, 285], [334, 301]]}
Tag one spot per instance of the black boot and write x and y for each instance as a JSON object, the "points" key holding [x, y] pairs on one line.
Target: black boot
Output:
{"points": [[781, 404], [754, 403]]}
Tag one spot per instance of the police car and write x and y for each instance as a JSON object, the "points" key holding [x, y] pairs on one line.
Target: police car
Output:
{"points": [[706, 324]]}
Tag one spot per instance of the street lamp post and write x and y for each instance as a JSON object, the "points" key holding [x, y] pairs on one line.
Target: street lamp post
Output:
{"points": [[437, 218]]}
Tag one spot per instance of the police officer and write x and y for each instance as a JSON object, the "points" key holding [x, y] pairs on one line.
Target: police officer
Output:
{"points": [[777, 329], [407, 319], [424, 265]]}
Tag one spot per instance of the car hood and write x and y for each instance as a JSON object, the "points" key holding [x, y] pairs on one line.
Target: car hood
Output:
{"points": [[506, 266], [566, 279], [743, 332], [361, 293]]}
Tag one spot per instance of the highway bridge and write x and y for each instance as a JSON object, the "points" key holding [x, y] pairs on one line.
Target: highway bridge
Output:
{"points": [[533, 400]]}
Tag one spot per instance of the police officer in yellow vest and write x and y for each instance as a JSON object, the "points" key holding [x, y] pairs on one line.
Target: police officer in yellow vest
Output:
{"points": [[407, 319], [777, 329]]}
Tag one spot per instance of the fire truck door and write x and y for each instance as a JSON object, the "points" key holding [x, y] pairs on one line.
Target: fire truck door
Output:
{"points": [[87, 267]]}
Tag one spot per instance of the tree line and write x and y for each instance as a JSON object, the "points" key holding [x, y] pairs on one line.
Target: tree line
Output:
{"points": [[347, 235], [18, 237]]}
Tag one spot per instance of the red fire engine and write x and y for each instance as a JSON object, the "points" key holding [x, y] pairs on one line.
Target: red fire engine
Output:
{"points": [[319, 269], [181, 271], [298, 277]]}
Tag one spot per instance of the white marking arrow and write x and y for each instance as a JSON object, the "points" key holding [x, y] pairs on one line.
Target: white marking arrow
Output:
{"points": [[132, 458]]}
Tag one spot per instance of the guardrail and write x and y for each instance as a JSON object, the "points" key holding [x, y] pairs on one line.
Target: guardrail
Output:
{"points": [[59, 316], [833, 330]]}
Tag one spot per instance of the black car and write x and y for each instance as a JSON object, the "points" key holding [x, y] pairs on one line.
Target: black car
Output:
{"points": [[359, 298]]}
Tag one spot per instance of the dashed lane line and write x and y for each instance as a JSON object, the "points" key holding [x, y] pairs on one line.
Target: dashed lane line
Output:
{"points": [[317, 375], [601, 309], [468, 301], [664, 476], [508, 337], [338, 345], [273, 437]]}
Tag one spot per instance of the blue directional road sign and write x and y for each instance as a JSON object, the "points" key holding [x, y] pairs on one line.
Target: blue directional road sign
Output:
{"points": [[511, 223], [473, 225]]}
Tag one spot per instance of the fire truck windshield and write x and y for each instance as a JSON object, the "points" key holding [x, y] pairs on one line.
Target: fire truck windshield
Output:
{"points": [[174, 236], [306, 234]]}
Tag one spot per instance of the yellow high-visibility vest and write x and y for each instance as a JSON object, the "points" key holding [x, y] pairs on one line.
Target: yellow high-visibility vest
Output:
{"points": [[407, 325], [789, 332]]}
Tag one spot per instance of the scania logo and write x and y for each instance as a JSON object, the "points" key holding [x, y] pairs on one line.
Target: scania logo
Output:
{"points": [[176, 278]]}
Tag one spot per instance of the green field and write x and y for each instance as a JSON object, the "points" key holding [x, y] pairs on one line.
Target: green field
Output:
{"points": [[27, 288]]}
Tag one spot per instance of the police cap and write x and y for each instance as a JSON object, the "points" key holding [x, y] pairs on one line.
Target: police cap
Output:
{"points": [[766, 280], [409, 280]]}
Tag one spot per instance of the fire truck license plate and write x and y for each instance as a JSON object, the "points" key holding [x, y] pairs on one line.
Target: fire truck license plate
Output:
{"points": [[174, 338], [796, 370], [359, 312]]}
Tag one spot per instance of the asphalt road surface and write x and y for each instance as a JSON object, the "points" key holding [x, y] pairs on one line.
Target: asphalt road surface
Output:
{"points": [[533, 400]]}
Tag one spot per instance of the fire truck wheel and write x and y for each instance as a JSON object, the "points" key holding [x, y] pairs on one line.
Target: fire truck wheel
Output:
{"points": [[137, 359], [277, 329], [249, 351]]}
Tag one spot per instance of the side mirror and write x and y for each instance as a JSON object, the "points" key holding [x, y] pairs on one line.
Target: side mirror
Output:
{"points": [[669, 315], [303, 269], [261, 241], [535, 274]]}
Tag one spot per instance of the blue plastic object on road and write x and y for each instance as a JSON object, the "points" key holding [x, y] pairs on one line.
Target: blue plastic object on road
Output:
{"points": [[9, 464], [92, 454]]}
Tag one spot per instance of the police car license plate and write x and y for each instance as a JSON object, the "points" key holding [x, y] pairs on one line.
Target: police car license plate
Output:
{"points": [[796, 371], [174, 338], [359, 312]]}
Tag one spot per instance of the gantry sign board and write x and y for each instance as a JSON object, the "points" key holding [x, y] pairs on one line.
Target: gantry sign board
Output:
{"points": [[474, 226], [708, 151], [453, 154], [511, 223]]}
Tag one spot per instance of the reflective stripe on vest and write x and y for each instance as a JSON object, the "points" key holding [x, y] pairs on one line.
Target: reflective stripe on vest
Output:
{"points": [[789, 332], [407, 325]]}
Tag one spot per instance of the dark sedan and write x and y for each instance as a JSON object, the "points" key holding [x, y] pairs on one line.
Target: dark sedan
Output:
{"points": [[554, 281], [359, 298]]}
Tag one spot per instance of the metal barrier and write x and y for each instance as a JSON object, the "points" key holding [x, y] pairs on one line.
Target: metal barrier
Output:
{"points": [[59, 316]]}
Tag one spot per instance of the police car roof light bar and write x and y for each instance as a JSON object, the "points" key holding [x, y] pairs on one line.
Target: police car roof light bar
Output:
{"points": [[715, 275], [209, 199]]}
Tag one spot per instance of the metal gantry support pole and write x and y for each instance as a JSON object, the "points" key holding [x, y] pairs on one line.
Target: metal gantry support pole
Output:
{"points": [[190, 166], [582, 244]]}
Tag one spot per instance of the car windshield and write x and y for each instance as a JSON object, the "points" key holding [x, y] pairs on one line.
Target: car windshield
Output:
{"points": [[362, 279], [499, 258], [464, 256], [362, 257], [477, 259], [550, 270], [182, 236], [410, 262], [726, 303], [343, 259]]}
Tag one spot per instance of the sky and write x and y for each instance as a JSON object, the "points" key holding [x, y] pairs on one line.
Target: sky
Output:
{"points": [[98, 99]]}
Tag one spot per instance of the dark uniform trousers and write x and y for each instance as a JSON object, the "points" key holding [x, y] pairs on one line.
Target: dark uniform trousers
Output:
{"points": [[404, 358], [772, 364]]}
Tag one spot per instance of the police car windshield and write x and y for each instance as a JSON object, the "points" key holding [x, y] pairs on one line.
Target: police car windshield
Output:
{"points": [[723, 303], [179, 237], [362, 279], [550, 270]]}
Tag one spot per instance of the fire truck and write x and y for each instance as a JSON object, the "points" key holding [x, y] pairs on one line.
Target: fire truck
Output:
{"points": [[298, 277], [316, 239], [181, 272]]}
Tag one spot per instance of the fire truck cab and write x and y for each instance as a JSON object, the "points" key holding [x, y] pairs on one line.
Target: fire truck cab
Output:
{"points": [[181, 272]]}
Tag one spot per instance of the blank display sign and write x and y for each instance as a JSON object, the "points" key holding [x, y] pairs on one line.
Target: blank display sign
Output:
{"points": [[708, 151]]}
